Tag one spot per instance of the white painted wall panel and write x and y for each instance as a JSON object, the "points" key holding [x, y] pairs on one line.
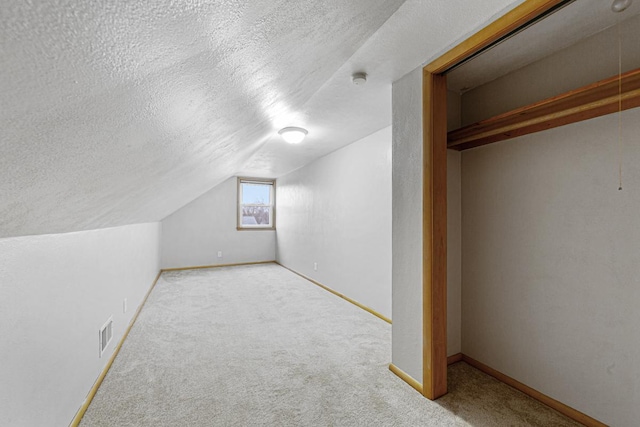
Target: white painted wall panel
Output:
{"points": [[193, 235], [551, 264], [407, 227], [454, 253], [336, 212], [56, 291], [407, 224], [550, 246], [454, 233]]}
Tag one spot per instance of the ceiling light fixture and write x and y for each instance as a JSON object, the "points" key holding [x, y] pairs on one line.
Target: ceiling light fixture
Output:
{"points": [[292, 134], [359, 79], [620, 5]]}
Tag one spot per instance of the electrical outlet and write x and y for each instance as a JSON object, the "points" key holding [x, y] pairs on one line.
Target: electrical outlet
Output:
{"points": [[124, 305], [315, 266], [219, 254]]}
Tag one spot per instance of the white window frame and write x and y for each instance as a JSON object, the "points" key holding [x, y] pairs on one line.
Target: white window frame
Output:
{"points": [[271, 205]]}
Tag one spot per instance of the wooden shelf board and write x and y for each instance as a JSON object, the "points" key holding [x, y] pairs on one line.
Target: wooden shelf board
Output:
{"points": [[585, 103]]}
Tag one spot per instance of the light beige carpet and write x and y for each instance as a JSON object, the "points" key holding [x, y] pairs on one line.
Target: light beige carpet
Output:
{"points": [[260, 346]]}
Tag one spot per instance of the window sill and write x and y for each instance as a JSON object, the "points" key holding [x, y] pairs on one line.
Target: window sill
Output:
{"points": [[255, 228]]}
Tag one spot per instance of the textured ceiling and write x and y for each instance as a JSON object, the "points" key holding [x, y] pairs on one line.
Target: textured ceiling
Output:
{"points": [[121, 112]]}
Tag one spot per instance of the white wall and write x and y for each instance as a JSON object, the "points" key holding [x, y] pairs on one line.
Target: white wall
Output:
{"points": [[550, 246], [552, 264], [454, 233], [56, 291], [407, 227], [407, 224], [336, 212], [454, 252], [194, 234]]}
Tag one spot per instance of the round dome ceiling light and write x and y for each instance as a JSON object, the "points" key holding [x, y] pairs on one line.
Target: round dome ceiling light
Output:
{"points": [[292, 134], [620, 5], [359, 79]]}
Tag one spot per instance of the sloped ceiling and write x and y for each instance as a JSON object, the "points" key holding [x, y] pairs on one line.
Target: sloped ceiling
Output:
{"points": [[121, 112]]}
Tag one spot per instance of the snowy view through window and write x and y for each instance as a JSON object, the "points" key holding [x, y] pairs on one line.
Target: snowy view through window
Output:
{"points": [[256, 204]]}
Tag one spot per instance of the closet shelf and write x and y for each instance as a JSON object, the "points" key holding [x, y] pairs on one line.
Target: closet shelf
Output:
{"points": [[585, 103]]}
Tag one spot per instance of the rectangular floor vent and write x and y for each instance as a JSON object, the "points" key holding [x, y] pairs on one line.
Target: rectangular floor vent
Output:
{"points": [[106, 333]]}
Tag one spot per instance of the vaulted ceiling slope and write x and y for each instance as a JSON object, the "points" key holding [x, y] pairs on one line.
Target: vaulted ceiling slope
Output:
{"points": [[121, 112]]}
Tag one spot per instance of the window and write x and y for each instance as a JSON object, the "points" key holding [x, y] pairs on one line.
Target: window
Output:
{"points": [[256, 203]]}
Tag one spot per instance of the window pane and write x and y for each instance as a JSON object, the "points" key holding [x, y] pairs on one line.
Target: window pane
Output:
{"points": [[255, 215], [256, 193]]}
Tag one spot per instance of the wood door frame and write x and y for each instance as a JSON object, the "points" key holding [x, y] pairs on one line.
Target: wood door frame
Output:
{"points": [[434, 126]]}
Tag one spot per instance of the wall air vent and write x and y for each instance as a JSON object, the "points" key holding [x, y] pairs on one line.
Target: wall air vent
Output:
{"points": [[106, 333]]}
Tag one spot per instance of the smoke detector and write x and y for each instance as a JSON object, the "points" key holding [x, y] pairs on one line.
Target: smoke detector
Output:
{"points": [[359, 79]]}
